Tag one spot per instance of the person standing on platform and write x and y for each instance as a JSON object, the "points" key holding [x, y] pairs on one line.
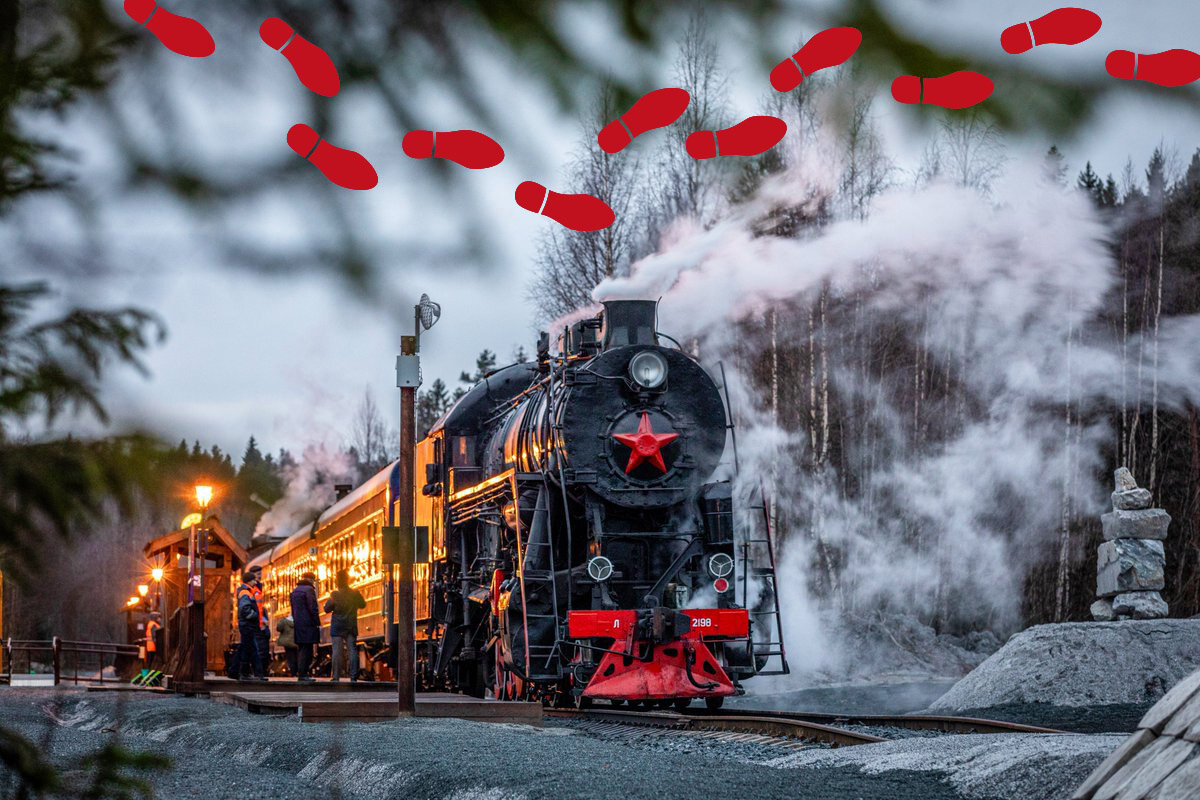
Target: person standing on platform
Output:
{"points": [[153, 636], [249, 622], [306, 620], [343, 605], [287, 640], [264, 626]]}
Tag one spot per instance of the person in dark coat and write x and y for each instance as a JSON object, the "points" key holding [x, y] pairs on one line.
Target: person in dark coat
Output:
{"points": [[343, 605], [307, 621], [249, 621]]}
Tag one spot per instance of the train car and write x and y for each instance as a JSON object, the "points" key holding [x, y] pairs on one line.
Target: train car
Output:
{"points": [[347, 535], [575, 542]]}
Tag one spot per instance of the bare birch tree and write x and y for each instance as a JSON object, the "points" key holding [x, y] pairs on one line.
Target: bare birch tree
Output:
{"points": [[569, 264], [683, 186], [967, 149]]}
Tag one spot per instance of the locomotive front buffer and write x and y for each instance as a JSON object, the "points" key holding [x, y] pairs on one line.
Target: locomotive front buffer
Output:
{"points": [[658, 653]]}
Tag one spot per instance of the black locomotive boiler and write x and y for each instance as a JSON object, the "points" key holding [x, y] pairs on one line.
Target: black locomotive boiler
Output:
{"points": [[579, 546]]}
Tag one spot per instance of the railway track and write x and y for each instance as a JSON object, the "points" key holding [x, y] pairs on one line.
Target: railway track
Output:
{"points": [[807, 728], [916, 722]]}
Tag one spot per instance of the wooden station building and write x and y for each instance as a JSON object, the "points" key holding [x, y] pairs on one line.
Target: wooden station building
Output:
{"points": [[223, 563]]}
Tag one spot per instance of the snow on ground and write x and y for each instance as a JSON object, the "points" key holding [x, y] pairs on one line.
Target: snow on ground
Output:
{"points": [[1017, 766], [220, 751]]}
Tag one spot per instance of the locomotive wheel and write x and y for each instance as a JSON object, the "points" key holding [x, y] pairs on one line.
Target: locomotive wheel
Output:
{"points": [[681, 703], [714, 703]]}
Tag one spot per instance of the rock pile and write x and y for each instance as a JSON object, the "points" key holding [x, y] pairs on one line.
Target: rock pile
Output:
{"points": [[1131, 561], [1161, 760]]}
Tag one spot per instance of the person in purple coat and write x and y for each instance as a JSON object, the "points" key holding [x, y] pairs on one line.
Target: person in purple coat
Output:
{"points": [[307, 620]]}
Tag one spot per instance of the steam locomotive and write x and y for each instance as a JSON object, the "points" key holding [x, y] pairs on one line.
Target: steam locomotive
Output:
{"points": [[573, 543]]}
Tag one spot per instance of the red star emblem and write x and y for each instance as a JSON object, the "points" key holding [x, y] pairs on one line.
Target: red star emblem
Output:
{"points": [[645, 445]]}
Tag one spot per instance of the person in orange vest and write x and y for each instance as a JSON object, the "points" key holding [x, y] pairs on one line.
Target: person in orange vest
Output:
{"points": [[153, 626], [249, 617], [264, 625]]}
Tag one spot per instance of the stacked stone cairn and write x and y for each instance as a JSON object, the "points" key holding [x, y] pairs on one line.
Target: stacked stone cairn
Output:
{"points": [[1131, 561]]}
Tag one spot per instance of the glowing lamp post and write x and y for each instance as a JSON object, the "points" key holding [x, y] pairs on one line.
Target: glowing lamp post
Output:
{"points": [[197, 551], [203, 496], [408, 377]]}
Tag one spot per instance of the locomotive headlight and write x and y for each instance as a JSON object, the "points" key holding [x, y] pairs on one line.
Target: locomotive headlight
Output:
{"points": [[648, 369], [600, 568], [720, 565]]}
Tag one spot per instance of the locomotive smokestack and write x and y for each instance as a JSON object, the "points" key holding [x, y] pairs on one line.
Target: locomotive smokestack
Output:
{"points": [[629, 322]]}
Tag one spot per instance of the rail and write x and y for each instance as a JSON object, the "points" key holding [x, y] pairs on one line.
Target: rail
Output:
{"points": [[797, 725], [917, 722], [98, 656], [749, 722]]}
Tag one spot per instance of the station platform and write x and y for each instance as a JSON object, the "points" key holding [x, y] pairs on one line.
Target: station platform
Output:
{"points": [[220, 683], [332, 703]]}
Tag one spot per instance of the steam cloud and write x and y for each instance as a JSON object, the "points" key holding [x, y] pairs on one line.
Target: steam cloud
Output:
{"points": [[309, 489], [930, 510]]}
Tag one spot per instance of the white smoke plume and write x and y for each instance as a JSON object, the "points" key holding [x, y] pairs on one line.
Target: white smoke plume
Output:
{"points": [[924, 511], [309, 489]]}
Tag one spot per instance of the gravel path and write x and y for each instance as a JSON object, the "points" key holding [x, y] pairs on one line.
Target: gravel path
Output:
{"points": [[222, 752]]}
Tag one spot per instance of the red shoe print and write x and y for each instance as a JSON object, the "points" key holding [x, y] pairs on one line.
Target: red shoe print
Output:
{"points": [[749, 137], [1168, 68], [346, 168], [655, 109], [313, 66], [956, 90], [579, 212], [1060, 26], [470, 149], [825, 49], [181, 35]]}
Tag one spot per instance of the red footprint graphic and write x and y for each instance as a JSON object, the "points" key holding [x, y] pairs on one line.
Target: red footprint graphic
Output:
{"points": [[313, 66], [1060, 26], [182, 35], [1168, 68], [652, 110], [346, 168], [825, 49], [579, 212], [749, 137], [470, 149], [957, 90]]}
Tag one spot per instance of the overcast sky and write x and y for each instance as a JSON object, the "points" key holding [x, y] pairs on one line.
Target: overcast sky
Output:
{"points": [[285, 356]]}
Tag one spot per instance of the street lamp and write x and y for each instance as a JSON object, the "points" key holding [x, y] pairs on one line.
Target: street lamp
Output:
{"points": [[157, 574], [408, 377], [204, 494], [143, 589]]}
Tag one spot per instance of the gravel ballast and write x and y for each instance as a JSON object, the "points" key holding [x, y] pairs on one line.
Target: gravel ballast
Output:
{"points": [[220, 751], [1131, 663]]}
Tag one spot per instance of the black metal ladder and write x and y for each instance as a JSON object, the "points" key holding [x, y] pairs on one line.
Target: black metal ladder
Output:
{"points": [[541, 659], [770, 616]]}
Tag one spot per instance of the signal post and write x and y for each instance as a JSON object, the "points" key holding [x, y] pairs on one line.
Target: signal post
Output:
{"points": [[408, 378]]}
